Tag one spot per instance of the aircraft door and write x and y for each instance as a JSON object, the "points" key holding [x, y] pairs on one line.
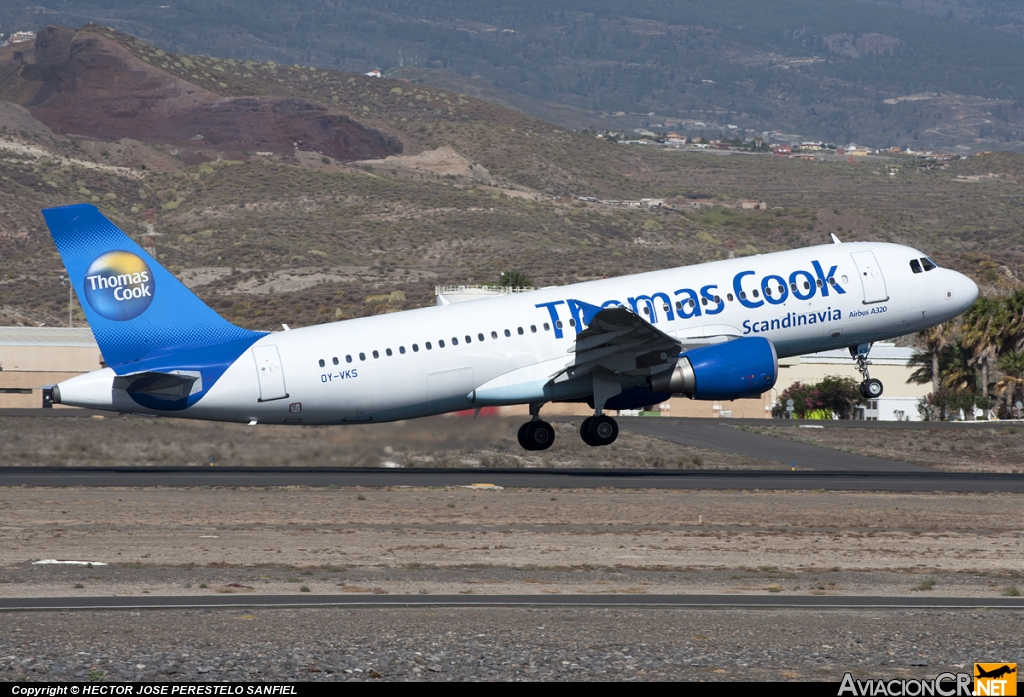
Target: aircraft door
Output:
{"points": [[870, 277], [270, 373]]}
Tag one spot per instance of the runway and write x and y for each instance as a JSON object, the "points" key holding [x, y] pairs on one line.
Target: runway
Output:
{"points": [[701, 601], [927, 480]]}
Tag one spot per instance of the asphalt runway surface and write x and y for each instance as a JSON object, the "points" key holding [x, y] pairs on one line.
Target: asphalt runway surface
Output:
{"points": [[617, 600], [510, 478]]}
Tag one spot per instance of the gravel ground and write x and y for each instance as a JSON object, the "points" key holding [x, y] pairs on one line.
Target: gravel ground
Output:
{"points": [[138, 441], [996, 449], [445, 644]]}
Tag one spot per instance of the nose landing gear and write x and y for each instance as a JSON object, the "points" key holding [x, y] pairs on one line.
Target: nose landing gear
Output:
{"points": [[870, 388]]}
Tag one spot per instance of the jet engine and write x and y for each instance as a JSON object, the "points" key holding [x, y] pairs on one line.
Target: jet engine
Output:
{"points": [[739, 368]]}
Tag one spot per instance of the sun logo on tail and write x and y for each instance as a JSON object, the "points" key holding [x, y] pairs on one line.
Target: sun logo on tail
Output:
{"points": [[119, 285]]}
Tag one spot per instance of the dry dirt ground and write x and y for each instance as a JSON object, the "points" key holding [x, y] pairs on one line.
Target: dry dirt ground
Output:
{"points": [[135, 441], [997, 449], [164, 541]]}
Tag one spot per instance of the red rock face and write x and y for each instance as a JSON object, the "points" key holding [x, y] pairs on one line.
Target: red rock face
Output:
{"points": [[84, 83]]}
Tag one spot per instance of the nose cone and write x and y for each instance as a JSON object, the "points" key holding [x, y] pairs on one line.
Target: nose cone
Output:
{"points": [[968, 290]]}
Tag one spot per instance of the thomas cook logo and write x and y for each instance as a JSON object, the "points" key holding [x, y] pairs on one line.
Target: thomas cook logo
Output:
{"points": [[119, 286]]}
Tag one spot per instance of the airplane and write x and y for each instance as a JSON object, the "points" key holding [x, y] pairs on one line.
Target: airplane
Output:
{"points": [[710, 331]]}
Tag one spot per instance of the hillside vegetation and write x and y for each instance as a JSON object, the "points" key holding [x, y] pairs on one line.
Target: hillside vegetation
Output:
{"points": [[301, 238], [824, 70]]}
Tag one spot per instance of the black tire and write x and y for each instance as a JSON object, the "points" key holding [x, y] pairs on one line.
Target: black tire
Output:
{"points": [[585, 430], [541, 435], [603, 430], [523, 440], [873, 388], [863, 390]]}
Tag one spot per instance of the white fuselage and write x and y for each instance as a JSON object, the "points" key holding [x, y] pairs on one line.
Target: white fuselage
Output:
{"points": [[380, 369]]}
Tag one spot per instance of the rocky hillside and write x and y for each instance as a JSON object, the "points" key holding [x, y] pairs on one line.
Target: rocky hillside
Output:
{"points": [[86, 83], [293, 235]]}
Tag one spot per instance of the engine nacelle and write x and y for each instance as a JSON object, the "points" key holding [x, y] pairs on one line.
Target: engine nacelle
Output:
{"points": [[739, 368]]}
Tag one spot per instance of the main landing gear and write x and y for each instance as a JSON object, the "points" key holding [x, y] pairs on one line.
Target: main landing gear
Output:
{"points": [[536, 434], [599, 430], [870, 388]]}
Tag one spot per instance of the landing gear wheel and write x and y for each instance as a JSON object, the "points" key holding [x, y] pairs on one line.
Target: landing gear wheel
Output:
{"points": [[522, 434], [871, 389], [603, 430], [536, 435], [585, 430]]}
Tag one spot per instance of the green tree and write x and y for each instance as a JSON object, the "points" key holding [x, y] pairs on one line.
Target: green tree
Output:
{"points": [[514, 279]]}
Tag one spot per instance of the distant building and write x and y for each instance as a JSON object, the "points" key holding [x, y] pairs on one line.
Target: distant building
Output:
{"points": [[782, 150], [374, 73], [889, 363], [31, 357], [20, 37]]}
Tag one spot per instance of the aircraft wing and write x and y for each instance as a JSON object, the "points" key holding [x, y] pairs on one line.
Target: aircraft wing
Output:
{"points": [[619, 341]]}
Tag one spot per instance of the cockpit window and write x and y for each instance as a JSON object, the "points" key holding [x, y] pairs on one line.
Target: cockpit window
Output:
{"points": [[915, 266], [928, 264]]}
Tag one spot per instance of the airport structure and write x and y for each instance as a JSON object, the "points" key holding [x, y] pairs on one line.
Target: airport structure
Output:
{"points": [[31, 357]]}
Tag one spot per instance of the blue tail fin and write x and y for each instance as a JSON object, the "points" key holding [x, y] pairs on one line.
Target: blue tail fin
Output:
{"points": [[143, 318]]}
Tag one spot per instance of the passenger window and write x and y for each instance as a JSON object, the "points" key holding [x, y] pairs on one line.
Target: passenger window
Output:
{"points": [[335, 360], [666, 308], [494, 335], [807, 286], [679, 304], [533, 328], [322, 364], [387, 351], [348, 359], [718, 300], [572, 323], [401, 349], [508, 333], [729, 296], [428, 345], [692, 304], [831, 280], [547, 327], [743, 295], [647, 310], [440, 343], [558, 324], [469, 339], [455, 341], [915, 266], [520, 331], [928, 264], [704, 301], [362, 356], [820, 283], [415, 348], [782, 289], [375, 354], [755, 293], [768, 292], [792, 287], [479, 337]]}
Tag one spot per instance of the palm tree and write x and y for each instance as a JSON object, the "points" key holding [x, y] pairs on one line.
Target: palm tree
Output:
{"points": [[1011, 364], [935, 340], [983, 325], [514, 279]]}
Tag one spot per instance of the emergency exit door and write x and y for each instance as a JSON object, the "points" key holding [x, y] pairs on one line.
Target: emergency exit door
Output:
{"points": [[870, 277], [269, 372]]}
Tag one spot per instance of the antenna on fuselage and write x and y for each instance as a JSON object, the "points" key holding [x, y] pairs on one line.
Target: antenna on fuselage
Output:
{"points": [[835, 240]]}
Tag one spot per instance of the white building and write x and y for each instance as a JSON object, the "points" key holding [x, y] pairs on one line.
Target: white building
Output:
{"points": [[889, 363]]}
